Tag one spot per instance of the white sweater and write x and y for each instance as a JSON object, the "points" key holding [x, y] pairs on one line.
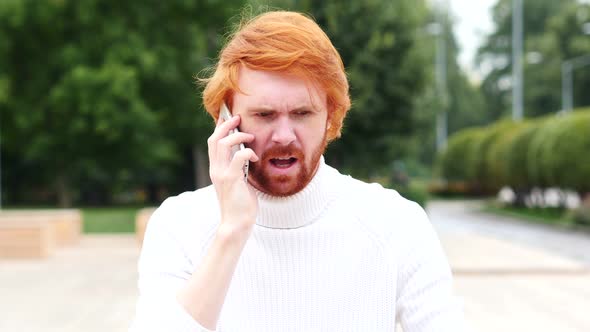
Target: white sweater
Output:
{"points": [[341, 255]]}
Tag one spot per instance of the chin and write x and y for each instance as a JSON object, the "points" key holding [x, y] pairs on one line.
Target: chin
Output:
{"points": [[282, 186], [276, 176]]}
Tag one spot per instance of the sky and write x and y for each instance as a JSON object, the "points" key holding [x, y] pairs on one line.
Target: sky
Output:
{"points": [[472, 22]]}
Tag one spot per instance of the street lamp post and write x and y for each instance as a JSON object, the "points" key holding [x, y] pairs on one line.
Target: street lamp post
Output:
{"points": [[441, 79], [517, 103], [567, 80], [437, 29]]}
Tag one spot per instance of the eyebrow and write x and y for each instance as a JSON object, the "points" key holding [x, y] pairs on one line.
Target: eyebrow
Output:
{"points": [[271, 109]]}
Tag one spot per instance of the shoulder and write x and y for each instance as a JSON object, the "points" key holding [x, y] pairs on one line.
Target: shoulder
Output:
{"points": [[400, 225], [384, 201], [384, 211], [176, 234], [186, 216], [200, 201]]}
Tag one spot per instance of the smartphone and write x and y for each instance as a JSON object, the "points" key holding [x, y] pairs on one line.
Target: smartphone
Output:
{"points": [[225, 114]]}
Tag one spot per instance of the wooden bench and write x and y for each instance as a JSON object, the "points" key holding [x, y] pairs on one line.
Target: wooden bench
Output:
{"points": [[68, 222], [35, 233], [141, 220], [26, 237]]}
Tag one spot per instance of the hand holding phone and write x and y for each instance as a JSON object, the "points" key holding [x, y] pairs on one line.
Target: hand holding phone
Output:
{"points": [[225, 114]]}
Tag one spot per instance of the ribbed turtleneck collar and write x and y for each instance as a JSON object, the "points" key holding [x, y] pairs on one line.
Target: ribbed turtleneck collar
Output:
{"points": [[302, 208]]}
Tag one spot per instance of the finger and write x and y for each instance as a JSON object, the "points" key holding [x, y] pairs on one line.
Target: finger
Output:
{"points": [[225, 145], [239, 159], [225, 127], [221, 130]]}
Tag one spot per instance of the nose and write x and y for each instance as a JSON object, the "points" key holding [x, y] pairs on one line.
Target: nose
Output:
{"points": [[283, 132]]}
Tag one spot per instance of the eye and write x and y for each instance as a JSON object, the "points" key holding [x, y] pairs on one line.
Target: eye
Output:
{"points": [[302, 113], [264, 114]]}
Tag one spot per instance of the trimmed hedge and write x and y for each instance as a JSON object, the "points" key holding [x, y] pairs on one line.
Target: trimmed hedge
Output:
{"points": [[498, 156], [516, 166], [489, 163], [543, 152], [539, 151], [450, 164], [567, 156]]}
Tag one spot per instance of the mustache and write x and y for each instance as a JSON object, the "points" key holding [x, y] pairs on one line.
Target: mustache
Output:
{"points": [[282, 152]]}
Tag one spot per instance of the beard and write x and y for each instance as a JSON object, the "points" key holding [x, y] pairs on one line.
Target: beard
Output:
{"points": [[285, 185]]}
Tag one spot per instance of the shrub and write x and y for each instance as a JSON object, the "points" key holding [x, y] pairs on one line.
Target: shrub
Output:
{"points": [[472, 158], [539, 151], [497, 156], [414, 193], [548, 151], [581, 215], [451, 162], [450, 189], [481, 165], [567, 153], [516, 166]]}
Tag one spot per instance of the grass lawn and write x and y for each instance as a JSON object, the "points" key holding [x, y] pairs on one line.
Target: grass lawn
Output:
{"points": [[459, 197], [553, 216], [109, 220]]}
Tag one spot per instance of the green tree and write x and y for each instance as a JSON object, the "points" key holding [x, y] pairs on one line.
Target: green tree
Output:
{"points": [[97, 92], [553, 32], [379, 42]]}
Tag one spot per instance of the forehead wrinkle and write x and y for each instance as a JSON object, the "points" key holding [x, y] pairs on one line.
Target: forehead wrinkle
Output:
{"points": [[307, 95], [282, 104]]}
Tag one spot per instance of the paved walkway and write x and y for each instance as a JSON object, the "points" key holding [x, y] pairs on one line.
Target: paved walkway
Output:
{"points": [[514, 275], [511, 276], [88, 287]]}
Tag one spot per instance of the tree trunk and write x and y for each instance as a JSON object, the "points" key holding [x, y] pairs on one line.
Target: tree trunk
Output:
{"points": [[201, 167], [520, 197], [64, 194], [562, 198]]}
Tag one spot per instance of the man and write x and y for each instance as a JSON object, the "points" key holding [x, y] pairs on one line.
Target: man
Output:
{"points": [[298, 246]]}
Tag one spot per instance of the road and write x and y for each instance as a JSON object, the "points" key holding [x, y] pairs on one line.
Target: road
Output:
{"points": [[510, 275]]}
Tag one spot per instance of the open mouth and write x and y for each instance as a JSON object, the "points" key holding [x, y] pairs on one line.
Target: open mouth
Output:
{"points": [[283, 162]]}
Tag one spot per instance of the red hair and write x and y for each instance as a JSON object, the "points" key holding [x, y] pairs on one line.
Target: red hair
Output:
{"points": [[287, 42]]}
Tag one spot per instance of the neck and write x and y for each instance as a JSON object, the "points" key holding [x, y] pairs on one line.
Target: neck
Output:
{"points": [[302, 208]]}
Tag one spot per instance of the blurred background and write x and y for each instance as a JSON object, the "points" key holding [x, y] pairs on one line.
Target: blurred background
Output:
{"points": [[478, 110]]}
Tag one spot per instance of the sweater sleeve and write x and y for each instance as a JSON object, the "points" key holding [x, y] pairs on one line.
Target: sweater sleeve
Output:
{"points": [[163, 269], [425, 301]]}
